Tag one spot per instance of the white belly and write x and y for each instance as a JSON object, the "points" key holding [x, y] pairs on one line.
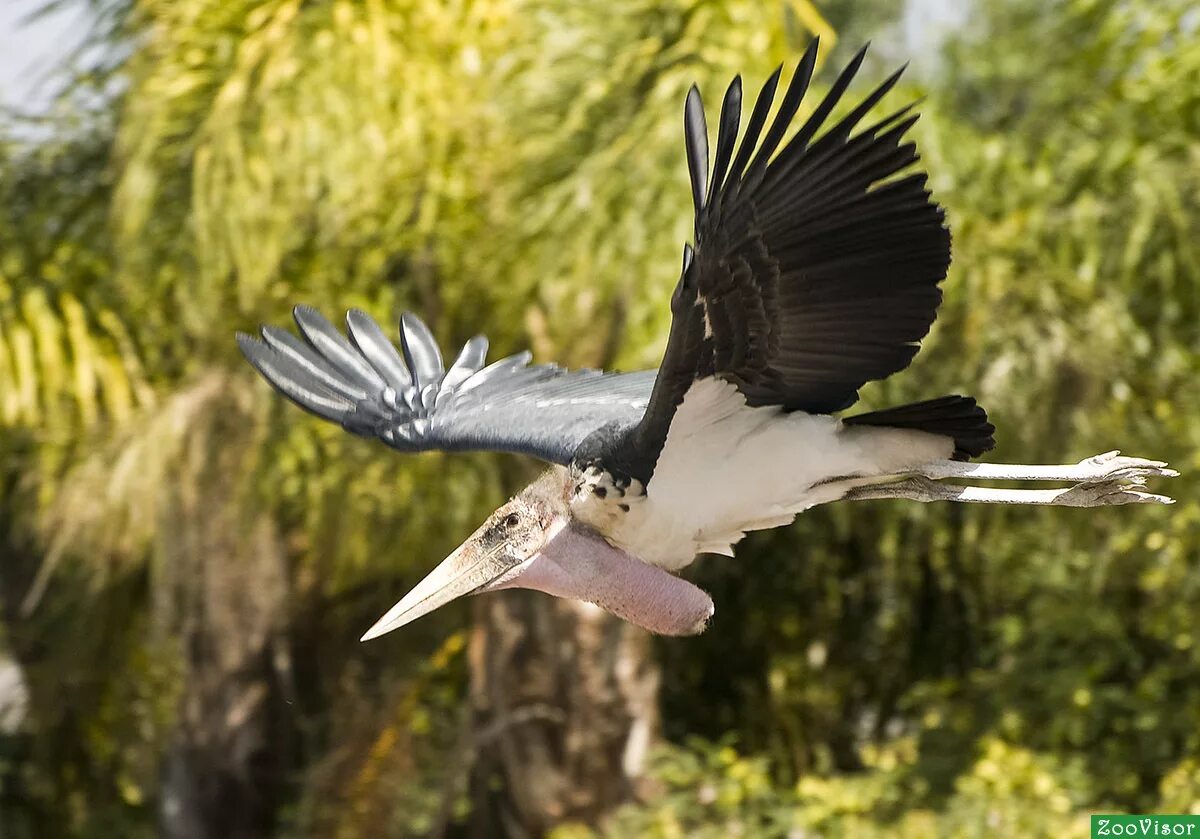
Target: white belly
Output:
{"points": [[727, 468]]}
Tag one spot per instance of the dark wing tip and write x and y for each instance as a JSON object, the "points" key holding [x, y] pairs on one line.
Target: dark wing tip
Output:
{"points": [[695, 131], [792, 98], [758, 118], [854, 64], [727, 131]]}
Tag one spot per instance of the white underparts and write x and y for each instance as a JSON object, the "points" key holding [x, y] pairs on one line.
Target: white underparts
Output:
{"points": [[727, 468]]}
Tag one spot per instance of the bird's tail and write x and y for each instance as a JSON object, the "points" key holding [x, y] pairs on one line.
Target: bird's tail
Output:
{"points": [[959, 417]]}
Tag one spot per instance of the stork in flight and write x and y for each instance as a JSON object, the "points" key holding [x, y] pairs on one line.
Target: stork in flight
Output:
{"points": [[816, 269]]}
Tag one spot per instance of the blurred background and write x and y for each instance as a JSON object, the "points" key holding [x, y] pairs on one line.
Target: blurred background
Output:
{"points": [[187, 562]]}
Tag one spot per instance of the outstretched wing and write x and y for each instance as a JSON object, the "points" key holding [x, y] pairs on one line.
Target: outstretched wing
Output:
{"points": [[815, 270], [409, 400]]}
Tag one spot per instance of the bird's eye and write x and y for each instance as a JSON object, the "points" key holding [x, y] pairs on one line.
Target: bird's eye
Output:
{"points": [[512, 520]]}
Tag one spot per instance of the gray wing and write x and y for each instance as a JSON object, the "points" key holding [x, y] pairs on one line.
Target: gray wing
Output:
{"points": [[406, 397]]}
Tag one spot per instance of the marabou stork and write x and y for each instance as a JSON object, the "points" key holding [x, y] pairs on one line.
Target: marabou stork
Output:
{"points": [[816, 268]]}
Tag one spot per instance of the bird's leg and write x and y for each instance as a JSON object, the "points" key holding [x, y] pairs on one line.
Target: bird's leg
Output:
{"points": [[1097, 469], [1102, 493], [1102, 480]]}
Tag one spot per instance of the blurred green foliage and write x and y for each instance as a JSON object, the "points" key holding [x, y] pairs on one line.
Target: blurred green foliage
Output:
{"points": [[515, 167]]}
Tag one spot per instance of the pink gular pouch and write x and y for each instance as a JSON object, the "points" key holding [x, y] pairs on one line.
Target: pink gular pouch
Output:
{"points": [[579, 564]]}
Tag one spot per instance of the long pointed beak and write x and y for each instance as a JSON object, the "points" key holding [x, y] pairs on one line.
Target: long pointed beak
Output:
{"points": [[465, 571]]}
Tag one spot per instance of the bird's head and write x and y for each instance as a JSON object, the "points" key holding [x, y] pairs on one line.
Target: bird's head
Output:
{"points": [[534, 542]]}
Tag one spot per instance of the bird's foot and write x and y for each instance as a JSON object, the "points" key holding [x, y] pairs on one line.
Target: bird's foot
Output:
{"points": [[1124, 487], [1111, 467]]}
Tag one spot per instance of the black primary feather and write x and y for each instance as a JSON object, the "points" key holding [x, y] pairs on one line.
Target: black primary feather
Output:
{"points": [[816, 264], [758, 118], [791, 104], [731, 115], [695, 132]]}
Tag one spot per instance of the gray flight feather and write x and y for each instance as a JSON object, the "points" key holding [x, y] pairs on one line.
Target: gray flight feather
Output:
{"points": [[410, 401], [378, 350], [420, 350], [331, 344]]}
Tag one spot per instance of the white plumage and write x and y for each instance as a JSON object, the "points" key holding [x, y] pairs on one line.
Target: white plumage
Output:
{"points": [[728, 468]]}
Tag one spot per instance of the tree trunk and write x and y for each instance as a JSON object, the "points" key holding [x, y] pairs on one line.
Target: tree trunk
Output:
{"points": [[565, 704], [225, 598]]}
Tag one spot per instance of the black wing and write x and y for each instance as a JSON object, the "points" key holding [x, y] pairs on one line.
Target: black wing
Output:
{"points": [[410, 401], [815, 269]]}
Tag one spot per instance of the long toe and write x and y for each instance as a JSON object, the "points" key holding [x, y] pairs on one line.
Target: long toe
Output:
{"points": [[1111, 465], [1111, 492]]}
